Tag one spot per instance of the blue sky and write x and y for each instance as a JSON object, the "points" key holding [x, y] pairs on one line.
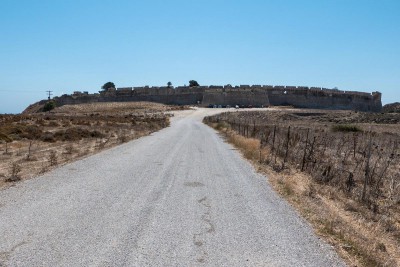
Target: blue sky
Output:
{"points": [[65, 46]]}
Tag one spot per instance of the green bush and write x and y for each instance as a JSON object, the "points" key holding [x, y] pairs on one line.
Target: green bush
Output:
{"points": [[49, 106], [346, 128]]}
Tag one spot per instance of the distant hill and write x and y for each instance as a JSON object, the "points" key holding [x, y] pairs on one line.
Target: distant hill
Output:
{"points": [[391, 108]]}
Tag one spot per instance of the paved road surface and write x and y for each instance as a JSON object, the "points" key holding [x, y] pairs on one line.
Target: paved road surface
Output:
{"points": [[180, 197]]}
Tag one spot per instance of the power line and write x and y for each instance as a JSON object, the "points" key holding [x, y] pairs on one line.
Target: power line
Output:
{"points": [[50, 93], [19, 91]]}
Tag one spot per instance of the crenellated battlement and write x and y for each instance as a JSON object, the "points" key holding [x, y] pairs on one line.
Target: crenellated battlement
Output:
{"points": [[154, 90], [244, 95]]}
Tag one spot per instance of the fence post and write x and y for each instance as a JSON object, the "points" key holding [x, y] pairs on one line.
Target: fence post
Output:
{"points": [[29, 150], [287, 147], [305, 151], [273, 143], [364, 192], [253, 134], [355, 139]]}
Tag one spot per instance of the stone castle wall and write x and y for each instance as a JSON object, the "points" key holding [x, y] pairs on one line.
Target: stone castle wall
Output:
{"points": [[243, 95]]}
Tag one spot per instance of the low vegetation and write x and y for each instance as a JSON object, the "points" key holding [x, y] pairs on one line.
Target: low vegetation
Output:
{"points": [[346, 128], [392, 108], [33, 143], [341, 173], [50, 105]]}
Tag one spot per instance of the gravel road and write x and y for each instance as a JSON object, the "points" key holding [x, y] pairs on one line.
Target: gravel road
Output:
{"points": [[180, 197]]}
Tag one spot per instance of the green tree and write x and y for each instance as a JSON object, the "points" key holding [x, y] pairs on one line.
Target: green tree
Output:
{"points": [[49, 106], [193, 83], [169, 84], [108, 85]]}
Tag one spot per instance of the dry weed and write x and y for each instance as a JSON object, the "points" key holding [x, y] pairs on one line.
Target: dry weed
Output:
{"points": [[53, 159], [15, 170], [69, 149]]}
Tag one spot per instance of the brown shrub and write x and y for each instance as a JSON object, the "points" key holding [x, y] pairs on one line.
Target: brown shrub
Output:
{"points": [[53, 159], [31, 132], [48, 137], [53, 124], [76, 134], [20, 131], [123, 138], [69, 149], [5, 137], [15, 170]]}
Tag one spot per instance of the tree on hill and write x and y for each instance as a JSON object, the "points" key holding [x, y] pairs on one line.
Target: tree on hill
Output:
{"points": [[108, 85], [169, 84], [50, 105], [193, 83]]}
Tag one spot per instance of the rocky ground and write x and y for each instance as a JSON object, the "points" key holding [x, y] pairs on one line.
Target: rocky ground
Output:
{"points": [[33, 143]]}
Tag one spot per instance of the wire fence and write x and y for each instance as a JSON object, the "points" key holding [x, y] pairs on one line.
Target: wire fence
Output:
{"points": [[365, 165]]}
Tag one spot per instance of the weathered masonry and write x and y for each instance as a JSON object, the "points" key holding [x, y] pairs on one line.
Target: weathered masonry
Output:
{"points": [[243, 95]]}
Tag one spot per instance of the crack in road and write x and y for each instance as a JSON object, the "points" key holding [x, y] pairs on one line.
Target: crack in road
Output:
{"points": [[199, 238], [4, 256]]}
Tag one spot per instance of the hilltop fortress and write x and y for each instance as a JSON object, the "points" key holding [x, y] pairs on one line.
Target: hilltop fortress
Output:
{"points": [[243, 95]]}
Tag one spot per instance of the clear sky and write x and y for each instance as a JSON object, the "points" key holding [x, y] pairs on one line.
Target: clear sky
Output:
{"points": [[68, 45]]}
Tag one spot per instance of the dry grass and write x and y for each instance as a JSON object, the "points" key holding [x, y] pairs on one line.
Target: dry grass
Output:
{"points": [[109, 108], [40, 142], [113, 107], [361, 235], [249, 146]]}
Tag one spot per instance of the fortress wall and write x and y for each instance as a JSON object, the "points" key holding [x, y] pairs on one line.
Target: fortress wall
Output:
{"points": [[156, 90], [268, 87], [331, 91], [233, 98], [279, 98], [358, 93], [124, 91], [303, 101], [215, 87], [72, 100], [255, 95], [140, 91], [189, 90], [215, 90], [177, 99], [324, 99]]}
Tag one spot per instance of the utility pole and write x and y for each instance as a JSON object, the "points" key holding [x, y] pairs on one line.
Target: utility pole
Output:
{"points": [[50, 93]]}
